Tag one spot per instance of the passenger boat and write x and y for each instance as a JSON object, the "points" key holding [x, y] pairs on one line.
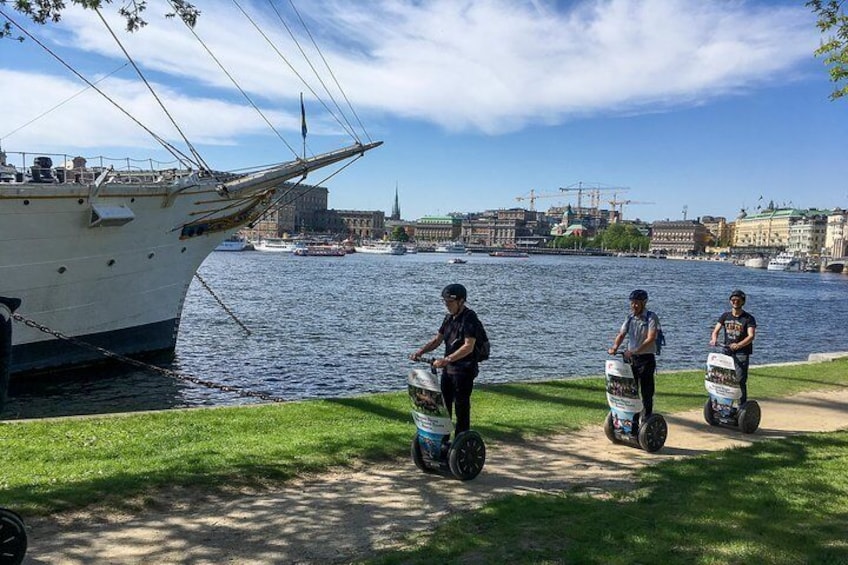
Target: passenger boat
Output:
{"points": [[233, 243], [758, 262], [104, 256], [389, 248], [277, 245], [451, 247], [509, 253], [320, 251], [784, 262]]}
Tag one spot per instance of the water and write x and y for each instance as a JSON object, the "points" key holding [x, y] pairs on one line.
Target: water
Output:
{"points": [[330, 327]]}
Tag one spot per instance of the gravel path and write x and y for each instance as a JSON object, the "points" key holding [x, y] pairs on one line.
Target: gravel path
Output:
{"points": [[349, 514]]}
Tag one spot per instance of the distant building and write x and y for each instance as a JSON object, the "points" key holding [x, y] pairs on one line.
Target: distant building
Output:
{"points": [[836, 234], [506, 228], [678, 237], [778, 229], [438, 228], [807, 236], [718, 231], [294, 211], [356, 224]]}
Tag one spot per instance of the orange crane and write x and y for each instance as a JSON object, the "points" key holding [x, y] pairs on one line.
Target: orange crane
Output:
{"points": [[532, 196]]}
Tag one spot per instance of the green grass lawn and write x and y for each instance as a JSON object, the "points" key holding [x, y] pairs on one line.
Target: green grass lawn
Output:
{"points": [[775, 502], [68, 463]]}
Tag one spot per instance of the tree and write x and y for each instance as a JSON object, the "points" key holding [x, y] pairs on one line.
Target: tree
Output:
{"points": [[832, 18], [399, 234], [43, 11]]}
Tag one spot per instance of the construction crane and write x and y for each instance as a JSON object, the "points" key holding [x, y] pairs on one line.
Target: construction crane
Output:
{"points": [[594, 194], [532, 196], [621, 204]]}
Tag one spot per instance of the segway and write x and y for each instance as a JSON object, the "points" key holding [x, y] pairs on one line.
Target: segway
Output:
{"points": [[432, 451], [623, 423], [722, 407], [13, 538]]}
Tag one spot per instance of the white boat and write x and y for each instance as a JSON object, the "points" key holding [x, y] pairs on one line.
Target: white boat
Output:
{"points": [[277, 245], [233, 243], [389, 248], [451, 247], [784, 262], [759, 262]]}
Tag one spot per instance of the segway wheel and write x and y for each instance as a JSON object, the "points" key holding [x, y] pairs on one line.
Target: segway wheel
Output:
{"points": [[749, 417], [653, 433], [418, 456], [467, 455], [609, 429], [13, 538], [709, 415]]}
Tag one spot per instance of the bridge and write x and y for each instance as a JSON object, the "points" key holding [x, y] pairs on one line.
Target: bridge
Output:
{"points": [[835, 265]]}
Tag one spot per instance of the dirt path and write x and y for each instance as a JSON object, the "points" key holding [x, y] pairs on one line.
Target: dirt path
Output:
{"points": [[350, 514]]}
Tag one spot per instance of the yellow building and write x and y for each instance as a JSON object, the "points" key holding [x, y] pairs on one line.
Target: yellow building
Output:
{"points": [[765, 229]]}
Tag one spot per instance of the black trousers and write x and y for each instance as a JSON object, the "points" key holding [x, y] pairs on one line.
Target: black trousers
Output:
{"points": [[456, 390], [644, 367], [742, 362]]}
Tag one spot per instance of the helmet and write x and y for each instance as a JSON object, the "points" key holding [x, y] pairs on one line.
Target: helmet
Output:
{"points": [[639, 294], [738, 293], [455, 291]]}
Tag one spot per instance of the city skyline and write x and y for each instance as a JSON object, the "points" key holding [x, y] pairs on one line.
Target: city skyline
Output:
{"points": [[708, 107]]}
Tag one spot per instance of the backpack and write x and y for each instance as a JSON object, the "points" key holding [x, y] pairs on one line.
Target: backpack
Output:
{"points": [[659, 342], [482, 347]]}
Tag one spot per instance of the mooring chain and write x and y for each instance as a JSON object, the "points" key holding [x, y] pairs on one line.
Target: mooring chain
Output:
{"points": [[221, 303], [142, 365]]}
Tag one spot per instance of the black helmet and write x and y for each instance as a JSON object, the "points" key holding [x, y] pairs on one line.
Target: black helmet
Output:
{"points": [[455, 292], [639, 294], [738, 293]]}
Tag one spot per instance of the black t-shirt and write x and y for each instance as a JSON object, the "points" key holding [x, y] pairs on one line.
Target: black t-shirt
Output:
{"points": [[736, 329], [454, 331]]}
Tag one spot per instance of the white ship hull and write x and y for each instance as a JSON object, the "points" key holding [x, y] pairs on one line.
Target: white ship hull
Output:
{"points": [[121, 283]]}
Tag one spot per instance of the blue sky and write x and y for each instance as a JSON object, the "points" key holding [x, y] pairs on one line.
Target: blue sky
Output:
{"points": [[703, 105]]}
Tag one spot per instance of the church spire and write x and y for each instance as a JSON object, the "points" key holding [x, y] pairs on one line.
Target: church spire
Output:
{"points": [[396, 208]]}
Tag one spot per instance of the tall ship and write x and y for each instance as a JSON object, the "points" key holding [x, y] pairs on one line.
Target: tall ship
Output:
{"points": [[102, 256], [107, 257]]}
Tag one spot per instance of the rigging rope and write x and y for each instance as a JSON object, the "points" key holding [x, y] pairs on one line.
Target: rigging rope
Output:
{"points": [[236, 84], [60, 104], [329, 70], [347, 128], [179, 155], [191, 148]]}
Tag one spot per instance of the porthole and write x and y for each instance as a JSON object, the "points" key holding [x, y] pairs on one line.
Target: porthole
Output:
{"points": [[183, 250], [150, 255], [110, 262], [62, 269], [26, 202]]}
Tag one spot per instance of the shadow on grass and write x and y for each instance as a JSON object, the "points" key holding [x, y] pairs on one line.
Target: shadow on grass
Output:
{"points": [[773, 502]]}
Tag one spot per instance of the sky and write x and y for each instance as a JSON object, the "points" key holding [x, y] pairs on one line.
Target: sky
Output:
{"points": [[684, 108]]}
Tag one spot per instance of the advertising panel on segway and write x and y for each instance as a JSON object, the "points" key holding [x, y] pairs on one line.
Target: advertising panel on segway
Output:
{"points": [[623, 423], [432, 449], [722, 383]]}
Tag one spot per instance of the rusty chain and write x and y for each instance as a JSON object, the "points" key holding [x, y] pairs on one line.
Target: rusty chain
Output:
{"points": [[142, 365]]}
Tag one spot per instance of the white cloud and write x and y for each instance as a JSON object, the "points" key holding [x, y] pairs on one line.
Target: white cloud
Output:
{"points": [[490, 66]]}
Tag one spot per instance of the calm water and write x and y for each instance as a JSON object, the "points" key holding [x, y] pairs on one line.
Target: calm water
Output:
{"points": [[328, 327]]}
